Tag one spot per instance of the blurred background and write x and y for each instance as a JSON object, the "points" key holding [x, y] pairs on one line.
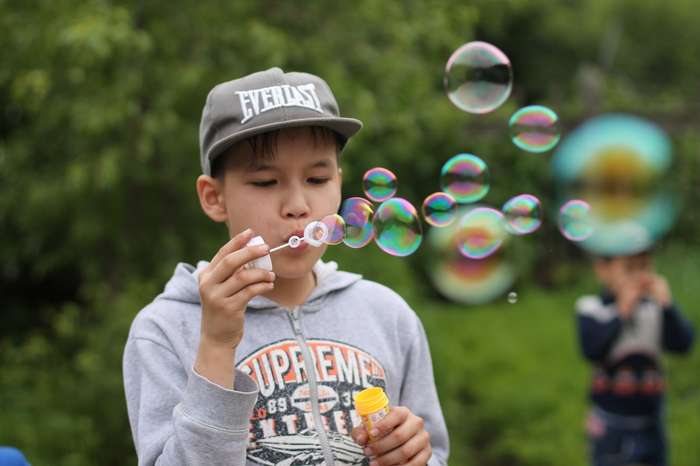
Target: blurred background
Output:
{"points": [[99, 111]]}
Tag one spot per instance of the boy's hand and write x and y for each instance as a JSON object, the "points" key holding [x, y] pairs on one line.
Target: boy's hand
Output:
{"points": [[658, 289], [225, 288], [400, 439], [627, 297]]}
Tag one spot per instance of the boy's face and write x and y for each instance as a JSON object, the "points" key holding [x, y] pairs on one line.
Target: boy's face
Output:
{"points": [[623, 270], [278, 197]]}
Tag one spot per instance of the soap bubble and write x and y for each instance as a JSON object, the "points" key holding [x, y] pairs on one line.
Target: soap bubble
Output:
{"points": [[461, 279], [575, 221], [439, 209], [481, 232], [336, 228], [357, 214], [316, 233], [523, 214], [621, 165], [478, 77], [379, 184], [397, 227], [512, 297], [535, 128], [465, 177]]}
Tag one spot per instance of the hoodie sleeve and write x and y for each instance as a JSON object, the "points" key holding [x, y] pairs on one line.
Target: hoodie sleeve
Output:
{"points": [[178, 417], [598, 328], [677, 335], [418, 393]]}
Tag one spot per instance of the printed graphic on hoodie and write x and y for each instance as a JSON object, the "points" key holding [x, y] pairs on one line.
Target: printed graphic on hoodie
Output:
{"points": [[282, 428]]}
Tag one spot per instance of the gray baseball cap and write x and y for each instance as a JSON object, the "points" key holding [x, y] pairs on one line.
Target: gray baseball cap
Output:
{"points": [[266, 101]]}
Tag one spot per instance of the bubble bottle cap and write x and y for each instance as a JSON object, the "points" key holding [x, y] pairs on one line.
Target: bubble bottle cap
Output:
{"points": [[264, 262], [370, 400]]}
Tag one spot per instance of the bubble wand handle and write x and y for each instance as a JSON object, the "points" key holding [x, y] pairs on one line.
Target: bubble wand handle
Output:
{"points": [[293, 242]]}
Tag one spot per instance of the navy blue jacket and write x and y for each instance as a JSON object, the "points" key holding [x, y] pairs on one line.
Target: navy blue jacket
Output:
{"points": [[628, 375]]}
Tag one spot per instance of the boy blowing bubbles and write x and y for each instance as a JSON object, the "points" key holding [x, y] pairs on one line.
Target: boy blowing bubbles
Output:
{"points": [[623, 332], [234, 365]]}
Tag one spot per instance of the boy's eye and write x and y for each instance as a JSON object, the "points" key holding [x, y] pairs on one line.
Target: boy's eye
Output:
{"points": [[316, 180], [263, 183]]}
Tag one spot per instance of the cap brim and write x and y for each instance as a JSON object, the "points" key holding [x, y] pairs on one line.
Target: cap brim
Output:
{"points": [[346, 127]]}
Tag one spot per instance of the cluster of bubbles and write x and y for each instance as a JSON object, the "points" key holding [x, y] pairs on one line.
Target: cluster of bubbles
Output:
{"points": [[467, 238]]}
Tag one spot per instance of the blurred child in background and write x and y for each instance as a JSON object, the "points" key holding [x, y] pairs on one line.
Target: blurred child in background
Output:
{"points": [[623, 332]]}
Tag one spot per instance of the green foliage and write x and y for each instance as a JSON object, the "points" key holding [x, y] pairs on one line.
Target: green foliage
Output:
{"points": [[100, 105]]}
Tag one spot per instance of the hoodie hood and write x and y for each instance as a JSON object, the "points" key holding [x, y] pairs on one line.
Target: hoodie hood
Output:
{"points": [[184, 285]]}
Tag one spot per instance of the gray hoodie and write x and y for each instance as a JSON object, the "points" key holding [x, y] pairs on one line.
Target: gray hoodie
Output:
{"points": [[354, 333]]}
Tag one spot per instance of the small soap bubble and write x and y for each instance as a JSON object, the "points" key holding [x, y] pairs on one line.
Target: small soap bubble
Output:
{"points": [[439, 209], [357, 214], [575, 220], [336, 228], [512, 297], [315, 233], [465, 177], [535, 128], [523, 214], [478, 77], [481, 232], [379, 184], [397, 227], [294, 242]]}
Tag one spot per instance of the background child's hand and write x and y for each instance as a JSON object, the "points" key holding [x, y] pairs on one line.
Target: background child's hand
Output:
{"points": [[657, 288], [627, 297], [400, 439], [225, 288]]}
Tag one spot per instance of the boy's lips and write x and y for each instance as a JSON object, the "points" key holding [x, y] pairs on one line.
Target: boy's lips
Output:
{"points": [[298, 233]]}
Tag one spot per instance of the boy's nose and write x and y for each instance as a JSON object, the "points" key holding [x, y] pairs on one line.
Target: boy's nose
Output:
{"points": [[295, 204]]}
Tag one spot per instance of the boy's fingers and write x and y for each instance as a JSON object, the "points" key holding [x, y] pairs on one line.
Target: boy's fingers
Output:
{"points": [[229, 264], [240, 299], [243, 278], [421, 458], [398, 437], [235, 243], [403, 452], [359, 435], [397, 415]]}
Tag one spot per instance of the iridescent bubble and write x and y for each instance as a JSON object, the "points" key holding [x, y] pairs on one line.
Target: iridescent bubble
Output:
{"points": [[622, 166], [512, 297], [336, 228], [535, 128], [575, 221], [397, 227], [481, 232], [439, 209], [379, 184], [523, 214], [478, 77], [464, 280], [465, 177], [357, 213], [316, 233]]}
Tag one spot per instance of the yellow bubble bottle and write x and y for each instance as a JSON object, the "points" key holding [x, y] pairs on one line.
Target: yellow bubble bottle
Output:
{"points": [[372, 406]]}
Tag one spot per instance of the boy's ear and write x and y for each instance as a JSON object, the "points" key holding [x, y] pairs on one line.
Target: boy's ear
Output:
{"points": [[211, 198]]}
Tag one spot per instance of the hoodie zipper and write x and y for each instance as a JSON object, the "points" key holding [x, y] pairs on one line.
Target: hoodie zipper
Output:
{"points": [[313, 386]]}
